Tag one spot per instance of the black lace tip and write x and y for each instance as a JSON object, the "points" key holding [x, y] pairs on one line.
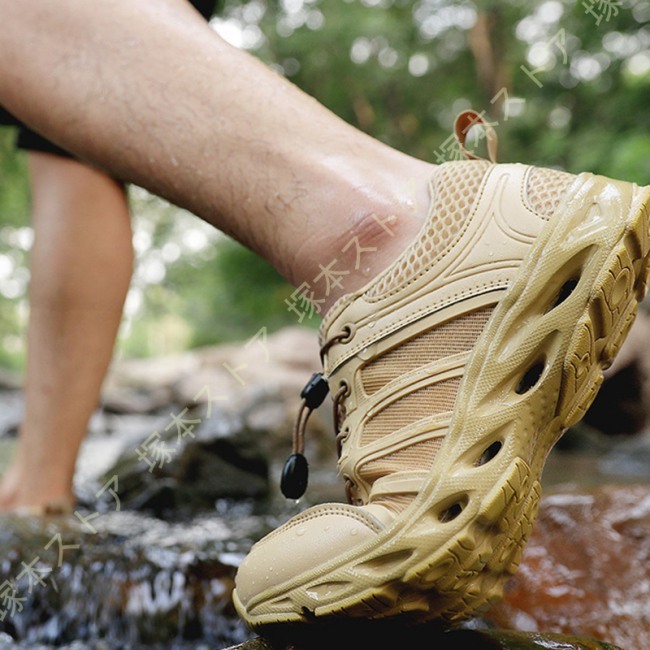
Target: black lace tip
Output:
{"points": [[294, 476]]}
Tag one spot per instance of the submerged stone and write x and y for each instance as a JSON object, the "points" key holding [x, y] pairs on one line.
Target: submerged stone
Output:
{"points": [[585, 569]]}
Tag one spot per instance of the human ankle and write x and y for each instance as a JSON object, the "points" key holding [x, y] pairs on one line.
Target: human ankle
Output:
{"points": [[340, 261], [366, 250]]}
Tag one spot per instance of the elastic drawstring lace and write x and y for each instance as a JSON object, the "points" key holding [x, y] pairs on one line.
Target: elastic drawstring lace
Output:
{"points": [[295, 473], [340, 395]]}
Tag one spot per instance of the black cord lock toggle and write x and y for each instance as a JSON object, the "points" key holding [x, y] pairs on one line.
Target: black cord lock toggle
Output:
{"points": [[296, 470], [315, 392], [294, 476]]}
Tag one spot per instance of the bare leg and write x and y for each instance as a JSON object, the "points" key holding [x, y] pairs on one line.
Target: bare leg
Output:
{"points": [[153, 95], [81, 267]]}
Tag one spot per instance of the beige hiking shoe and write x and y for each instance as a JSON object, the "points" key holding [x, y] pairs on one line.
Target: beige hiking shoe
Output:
{"points": [[453, 373]]}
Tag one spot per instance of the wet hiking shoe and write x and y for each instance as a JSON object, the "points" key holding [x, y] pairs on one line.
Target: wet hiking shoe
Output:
{"points": [[453, 374]]}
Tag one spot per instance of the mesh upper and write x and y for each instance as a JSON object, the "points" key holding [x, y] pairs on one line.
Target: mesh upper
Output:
{"points": [[420, 455], [417, 405], [545, 189], [455, 189], [452, 337]]}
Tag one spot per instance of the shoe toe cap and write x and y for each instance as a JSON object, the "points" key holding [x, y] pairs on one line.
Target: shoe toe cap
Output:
{"points": [[305, 542]]}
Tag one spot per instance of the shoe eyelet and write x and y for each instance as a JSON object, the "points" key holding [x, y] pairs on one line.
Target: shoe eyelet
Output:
{"points": [[348, 332]]}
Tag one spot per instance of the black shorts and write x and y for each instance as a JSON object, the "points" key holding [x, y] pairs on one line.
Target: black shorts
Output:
{"points": [[32, 141]]}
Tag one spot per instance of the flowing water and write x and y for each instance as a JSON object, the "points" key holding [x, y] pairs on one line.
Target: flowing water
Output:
{"points": [[130, 580]]}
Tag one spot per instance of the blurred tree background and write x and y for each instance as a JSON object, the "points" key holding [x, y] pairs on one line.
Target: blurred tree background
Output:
{"points": [[566, 83]]}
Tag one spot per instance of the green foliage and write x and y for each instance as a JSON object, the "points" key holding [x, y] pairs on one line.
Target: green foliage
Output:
{"points": [[195, 286], [242, 294], [577, 90], [14, 245], [14, 191]]}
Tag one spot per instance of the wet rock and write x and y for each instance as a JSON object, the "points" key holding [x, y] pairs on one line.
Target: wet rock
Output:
{"points": [[136, 399], [586, 568], [227, 429], [585, 571], [257, 381], [440, 640], [174, 476], [620, 407], [150, 376], [628, 458], [125, 579]]}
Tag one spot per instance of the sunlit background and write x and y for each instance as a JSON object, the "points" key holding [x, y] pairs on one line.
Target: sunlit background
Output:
{"points": [[567, 85]]}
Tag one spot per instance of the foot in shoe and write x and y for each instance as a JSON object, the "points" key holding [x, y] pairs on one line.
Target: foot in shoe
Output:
{"points": [[454, 372]]}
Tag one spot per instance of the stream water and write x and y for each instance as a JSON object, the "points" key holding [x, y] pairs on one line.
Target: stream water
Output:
{"points": [[136, 581]]}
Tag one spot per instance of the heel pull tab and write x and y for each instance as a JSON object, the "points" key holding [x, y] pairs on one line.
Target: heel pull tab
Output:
{"points": [[462, 126]]}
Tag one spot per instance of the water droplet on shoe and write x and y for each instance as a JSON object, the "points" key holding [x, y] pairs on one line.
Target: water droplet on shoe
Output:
{"points": [[366, 353], [300, 532]]}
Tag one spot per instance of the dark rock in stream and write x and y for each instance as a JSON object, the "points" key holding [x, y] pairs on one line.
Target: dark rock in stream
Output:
{"points": [[174, 479], [622, 405], [426, 637], [226, 428], [133, 581]]}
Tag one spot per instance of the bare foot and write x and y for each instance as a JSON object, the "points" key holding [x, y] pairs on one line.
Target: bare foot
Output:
{"points": [[20, 493]]}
